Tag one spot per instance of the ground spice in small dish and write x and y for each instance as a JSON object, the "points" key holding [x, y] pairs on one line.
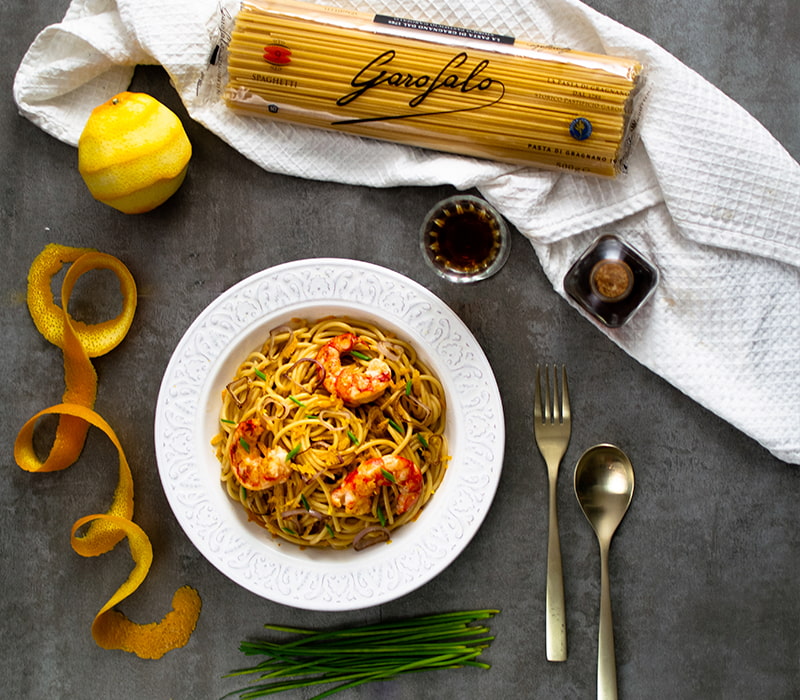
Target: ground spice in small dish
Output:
{"points": [[611, 280]]}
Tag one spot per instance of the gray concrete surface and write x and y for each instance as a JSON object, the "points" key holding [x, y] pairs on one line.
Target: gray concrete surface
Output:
{"points": [[704, 568]]}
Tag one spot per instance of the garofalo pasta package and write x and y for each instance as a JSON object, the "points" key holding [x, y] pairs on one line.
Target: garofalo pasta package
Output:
{"points": [[447, 88]]}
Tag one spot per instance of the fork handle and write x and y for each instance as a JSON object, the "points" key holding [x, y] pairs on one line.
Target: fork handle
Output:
{"points": [[556, 619]]}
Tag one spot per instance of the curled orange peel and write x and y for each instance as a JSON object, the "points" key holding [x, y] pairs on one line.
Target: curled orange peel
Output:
{"points": [[111, 629], [79, 343], [52, 321], [101, 535]]}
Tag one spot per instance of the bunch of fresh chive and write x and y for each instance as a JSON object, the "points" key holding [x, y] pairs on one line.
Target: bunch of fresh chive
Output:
{"points": [[358, 655]]}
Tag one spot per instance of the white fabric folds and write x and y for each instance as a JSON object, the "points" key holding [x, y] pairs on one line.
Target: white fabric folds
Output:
{"points": [[710, 197]]}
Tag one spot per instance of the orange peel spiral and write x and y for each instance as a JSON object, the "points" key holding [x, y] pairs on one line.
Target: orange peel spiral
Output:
{"points": [[111, 629], [79, 343], [100, 537]]}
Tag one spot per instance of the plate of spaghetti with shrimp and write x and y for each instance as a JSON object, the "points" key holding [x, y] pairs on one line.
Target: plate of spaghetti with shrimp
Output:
{"points": [[332, 433], [329, 434]]}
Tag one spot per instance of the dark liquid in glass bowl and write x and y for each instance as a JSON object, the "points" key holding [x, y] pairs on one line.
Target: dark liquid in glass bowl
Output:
{"points": [[465, 239]]}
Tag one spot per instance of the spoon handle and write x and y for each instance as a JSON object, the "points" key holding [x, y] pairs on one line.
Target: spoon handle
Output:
{"points": [[556, 620], [606, 659]]}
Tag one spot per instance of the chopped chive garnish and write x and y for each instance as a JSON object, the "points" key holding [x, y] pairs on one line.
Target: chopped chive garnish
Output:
{"points": [[304, 501], [389, 476], [289, 531], [242, 493], [381, 516], [330, 530], [352, 437], [422, 440], [297, 401], [293, 453], [245, 445], [408, 388], [395, 426], [260, 374], [229, 422], [360, 355]]}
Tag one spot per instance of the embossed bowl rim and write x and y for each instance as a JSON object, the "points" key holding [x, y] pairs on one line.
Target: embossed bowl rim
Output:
{"points": [[186, 419]]}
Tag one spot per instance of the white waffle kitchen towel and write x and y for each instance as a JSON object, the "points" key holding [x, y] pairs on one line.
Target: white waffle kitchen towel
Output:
{"points": [[711, 198]]}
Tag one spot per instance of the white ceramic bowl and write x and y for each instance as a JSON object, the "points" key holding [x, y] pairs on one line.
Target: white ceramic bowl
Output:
{"points": [[187, 414]]}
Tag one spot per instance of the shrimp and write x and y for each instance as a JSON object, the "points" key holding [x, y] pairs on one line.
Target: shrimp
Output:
{"points": [[353, 384], [356, 491], [257, 468]]}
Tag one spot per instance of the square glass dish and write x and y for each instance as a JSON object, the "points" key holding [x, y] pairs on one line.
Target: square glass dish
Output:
{"points": [[611, 280]]}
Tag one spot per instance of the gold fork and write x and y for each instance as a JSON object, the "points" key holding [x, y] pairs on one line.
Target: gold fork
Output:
{"points": [[552, 426]]}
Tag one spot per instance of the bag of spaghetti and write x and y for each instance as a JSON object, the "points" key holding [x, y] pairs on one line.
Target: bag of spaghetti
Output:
{"points": [[446, 88]]}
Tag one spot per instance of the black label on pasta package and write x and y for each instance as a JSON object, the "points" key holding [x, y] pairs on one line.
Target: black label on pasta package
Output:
{"points": [[469, 82], [443, 29]]}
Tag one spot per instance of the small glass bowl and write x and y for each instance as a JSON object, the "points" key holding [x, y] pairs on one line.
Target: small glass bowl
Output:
{"points": [[464, 239], [611, 280]]}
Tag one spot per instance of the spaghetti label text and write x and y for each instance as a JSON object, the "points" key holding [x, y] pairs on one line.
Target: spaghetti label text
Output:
{"points": [[455, 75]]}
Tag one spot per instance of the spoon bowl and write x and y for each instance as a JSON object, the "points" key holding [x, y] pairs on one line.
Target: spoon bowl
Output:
{"points": [[604, 489]]}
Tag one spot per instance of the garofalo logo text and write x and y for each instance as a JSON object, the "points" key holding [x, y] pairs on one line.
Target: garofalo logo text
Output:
{"points": [[475, 89]]}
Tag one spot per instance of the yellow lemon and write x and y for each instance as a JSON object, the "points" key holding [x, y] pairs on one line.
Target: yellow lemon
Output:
{"points": [[133, 153]]}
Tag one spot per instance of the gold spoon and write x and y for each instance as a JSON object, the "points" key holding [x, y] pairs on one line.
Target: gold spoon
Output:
{"points": [[604, 487]]}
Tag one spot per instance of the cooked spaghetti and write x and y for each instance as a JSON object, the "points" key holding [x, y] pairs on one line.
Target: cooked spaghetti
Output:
{"points": [[332, 433]]}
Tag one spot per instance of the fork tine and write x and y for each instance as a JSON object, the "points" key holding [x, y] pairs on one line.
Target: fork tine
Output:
{"points": [[537, 397], [548, 398], [551, 405]]}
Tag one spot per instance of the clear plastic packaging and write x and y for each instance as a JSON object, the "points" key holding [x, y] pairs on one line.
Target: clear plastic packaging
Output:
{"points": [[446, 88]]}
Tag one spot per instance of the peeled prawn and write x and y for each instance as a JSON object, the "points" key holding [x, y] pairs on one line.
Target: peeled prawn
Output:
{"points": [[256, 467], [353, 384], [360, 485]]}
